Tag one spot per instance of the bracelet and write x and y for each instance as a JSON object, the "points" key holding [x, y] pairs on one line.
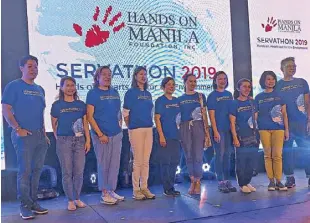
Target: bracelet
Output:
{"points": [[17, 128]]}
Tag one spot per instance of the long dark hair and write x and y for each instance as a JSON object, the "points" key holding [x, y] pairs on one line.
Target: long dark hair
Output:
{"points": [[237, 90], [215, 77], [185, 78], [61, 94], [134, 83], [97, 74]]}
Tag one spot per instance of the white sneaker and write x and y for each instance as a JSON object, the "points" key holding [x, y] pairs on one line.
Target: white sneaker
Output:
{"points": [[116, 196], [252, 189], [245, 190], [108, 199]]}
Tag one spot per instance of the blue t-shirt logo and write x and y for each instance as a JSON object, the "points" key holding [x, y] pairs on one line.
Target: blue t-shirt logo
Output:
{"points": [[300, 102], [276, 114], [77, 127]]}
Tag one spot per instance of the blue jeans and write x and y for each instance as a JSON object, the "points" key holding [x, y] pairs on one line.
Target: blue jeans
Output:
{"points": [[298, 133], [71, 154], [30, 151], [223, 151]]}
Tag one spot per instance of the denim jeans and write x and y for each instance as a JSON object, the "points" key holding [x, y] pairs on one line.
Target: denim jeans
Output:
{"points": [[245, 164], [192, 141], [71, 154], [223, 151], [298, 133], [30, 151], [169, 160]]}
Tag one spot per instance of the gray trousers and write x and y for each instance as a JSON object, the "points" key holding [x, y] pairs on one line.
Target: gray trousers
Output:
{"points": [[30, 151], [192, 141], [71, 154], [108, 161]]}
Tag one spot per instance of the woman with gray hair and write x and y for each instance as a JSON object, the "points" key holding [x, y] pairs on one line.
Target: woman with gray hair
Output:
{"points": [[138, 116]]}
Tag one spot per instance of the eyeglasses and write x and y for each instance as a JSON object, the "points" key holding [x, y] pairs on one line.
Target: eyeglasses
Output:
{"points": [[291, 66]]}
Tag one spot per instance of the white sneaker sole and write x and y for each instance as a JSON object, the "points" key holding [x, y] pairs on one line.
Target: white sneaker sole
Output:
{"points": [[25, 218]]}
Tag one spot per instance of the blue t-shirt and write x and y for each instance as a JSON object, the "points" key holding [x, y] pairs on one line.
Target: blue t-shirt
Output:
{"points": [[168, 110], [292, 93], [269, 107], [220, 102], [242, 110], [69, 117], [28, 103], [140, 106], [107, 110], [190, 106]]}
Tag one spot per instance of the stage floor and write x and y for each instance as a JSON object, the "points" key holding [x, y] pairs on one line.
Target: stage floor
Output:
{"points": [[210, 207]]}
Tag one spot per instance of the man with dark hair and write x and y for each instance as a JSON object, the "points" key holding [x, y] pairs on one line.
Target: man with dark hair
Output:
{"points": [[23, 104], [295, 94]]}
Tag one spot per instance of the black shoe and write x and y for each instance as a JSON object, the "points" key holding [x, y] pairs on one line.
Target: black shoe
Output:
{"points": [[176, 193], [309, 183], [271, 186], [230, 187], [222, 187], [290, 182], [25, 212], [36, 208], [169, 193], [280, 187]]}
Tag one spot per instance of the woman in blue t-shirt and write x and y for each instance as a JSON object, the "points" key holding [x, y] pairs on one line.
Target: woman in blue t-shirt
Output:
{"points": [[71, 131], [104, 115], [273, 128], [218, 104], [167, 110], [192, 131], [245, 135], [138, 116]]}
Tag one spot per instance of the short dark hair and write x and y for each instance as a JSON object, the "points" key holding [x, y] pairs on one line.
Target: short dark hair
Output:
{"points": [[165, 81], [185, 78], [134, 81], [24, 60], [263, 77], [285, 60], [214, 85], [97, 74]]}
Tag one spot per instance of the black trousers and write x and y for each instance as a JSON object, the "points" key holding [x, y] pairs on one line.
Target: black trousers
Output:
{"points": [[169, 160], [245, 162]]}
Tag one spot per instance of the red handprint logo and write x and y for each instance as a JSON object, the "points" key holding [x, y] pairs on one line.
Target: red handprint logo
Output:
{"points": [[271, 23], [95, 36]]}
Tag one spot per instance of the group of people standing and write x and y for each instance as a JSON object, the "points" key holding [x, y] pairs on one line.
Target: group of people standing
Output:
{"points": [[281, 113]]}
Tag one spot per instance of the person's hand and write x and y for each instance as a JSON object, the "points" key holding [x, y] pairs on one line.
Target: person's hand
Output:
{"points": [[236, 142], [286, 135], [104, 139], [23, 132], [162, 141], [87, 147], [217, 137]]}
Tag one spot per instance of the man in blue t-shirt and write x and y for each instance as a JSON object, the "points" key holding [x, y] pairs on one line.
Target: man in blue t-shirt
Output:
{"points": [[295, 94], [23, 104]]}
